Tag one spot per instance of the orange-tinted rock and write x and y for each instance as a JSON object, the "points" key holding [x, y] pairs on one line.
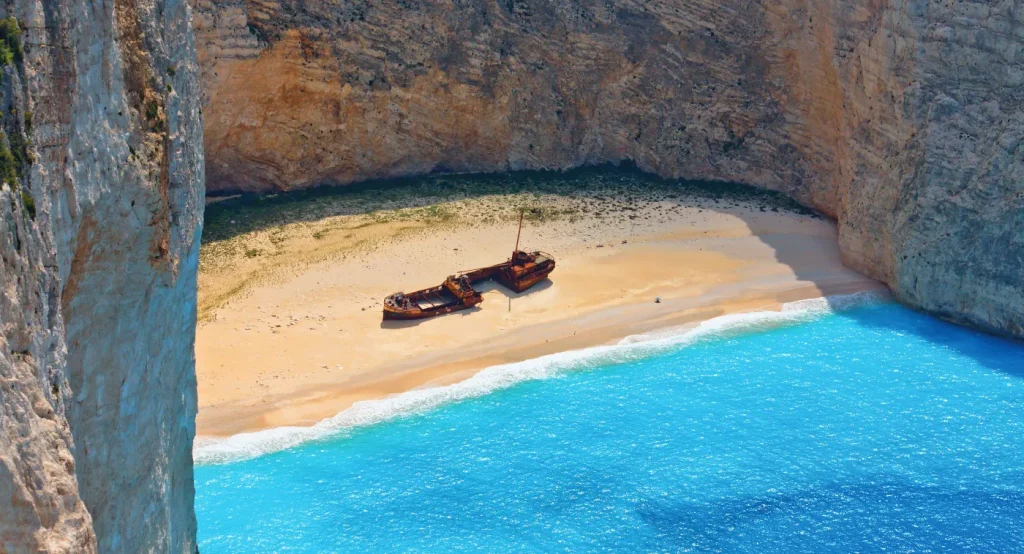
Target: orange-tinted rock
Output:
{"points": [[901, 120]]}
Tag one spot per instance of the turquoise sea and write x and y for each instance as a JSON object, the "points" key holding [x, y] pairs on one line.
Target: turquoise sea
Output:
{"points": [[869, 429]]}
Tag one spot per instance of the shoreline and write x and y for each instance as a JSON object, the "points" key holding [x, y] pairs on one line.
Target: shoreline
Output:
{"points": [[299, 338], [223, 449], [309, 405]]}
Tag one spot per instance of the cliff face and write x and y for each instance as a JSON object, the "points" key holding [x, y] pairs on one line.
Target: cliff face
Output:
{"points": [[100, 231], [40, 506], [902, 119]]}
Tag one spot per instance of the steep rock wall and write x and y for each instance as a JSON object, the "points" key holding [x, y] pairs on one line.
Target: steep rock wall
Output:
{"points": [[99, 309], [40, 506], [902, 119], [41, 509]]}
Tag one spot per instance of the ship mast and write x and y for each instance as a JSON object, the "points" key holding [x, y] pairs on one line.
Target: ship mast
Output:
{"points": [[520, 232]]}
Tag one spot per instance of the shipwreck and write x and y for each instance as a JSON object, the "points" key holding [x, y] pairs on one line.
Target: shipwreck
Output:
{"points": [[520, 272]]}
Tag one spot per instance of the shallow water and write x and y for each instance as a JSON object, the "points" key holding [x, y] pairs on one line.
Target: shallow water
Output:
{"points": [[874, 429]]}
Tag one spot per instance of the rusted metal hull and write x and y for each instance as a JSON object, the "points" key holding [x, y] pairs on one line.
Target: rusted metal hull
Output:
{"points": [[528, 281], [521, 278], [456, 293], [393, 314], [519, 273]]}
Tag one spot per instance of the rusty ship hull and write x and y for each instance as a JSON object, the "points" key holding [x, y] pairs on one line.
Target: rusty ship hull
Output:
{"points": [[519, 273], [522, 274]]}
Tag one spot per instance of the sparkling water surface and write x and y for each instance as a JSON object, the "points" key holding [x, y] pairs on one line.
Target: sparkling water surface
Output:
{"points": [[874, 429]]}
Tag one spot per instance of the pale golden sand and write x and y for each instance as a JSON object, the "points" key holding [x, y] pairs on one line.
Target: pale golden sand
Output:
{"points": [[291, 328]]}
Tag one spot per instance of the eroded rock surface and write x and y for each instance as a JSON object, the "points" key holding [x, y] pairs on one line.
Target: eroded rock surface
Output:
{"points": [[40, 506], [902, 119], [99, 256]]}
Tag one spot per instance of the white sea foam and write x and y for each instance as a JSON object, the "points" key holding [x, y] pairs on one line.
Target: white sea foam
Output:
{"points": [[249, 445]]}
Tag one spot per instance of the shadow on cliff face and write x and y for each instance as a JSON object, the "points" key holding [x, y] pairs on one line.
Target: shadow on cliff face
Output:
{"points": [[238, 215]]}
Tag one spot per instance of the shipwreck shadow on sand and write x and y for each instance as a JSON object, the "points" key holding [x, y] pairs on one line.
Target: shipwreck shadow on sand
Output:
{"points": [[406, 323], [483, 288], [491, 286]]}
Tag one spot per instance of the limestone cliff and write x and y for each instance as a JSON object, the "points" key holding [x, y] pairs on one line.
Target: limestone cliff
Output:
{"points": [[902, 119], [100, 217]]}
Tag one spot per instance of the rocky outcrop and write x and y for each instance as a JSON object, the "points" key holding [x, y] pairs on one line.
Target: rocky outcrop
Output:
{"points": [[902, 119], [100, 223]]}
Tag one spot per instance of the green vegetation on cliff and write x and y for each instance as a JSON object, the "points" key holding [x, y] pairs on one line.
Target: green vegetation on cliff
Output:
{"points": [[8, 165], [15, 156], [10, 41]]}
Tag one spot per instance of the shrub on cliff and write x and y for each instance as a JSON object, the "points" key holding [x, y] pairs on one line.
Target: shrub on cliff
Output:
{"points": [[8, 165], [10, 41], [10, 174], [29, 203]]}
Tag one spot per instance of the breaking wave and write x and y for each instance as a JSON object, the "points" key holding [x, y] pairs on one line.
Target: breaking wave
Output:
{"points": [[249, 445]]}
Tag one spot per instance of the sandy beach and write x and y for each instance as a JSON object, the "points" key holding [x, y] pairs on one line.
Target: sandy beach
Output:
{"points": [[290, 323]]}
